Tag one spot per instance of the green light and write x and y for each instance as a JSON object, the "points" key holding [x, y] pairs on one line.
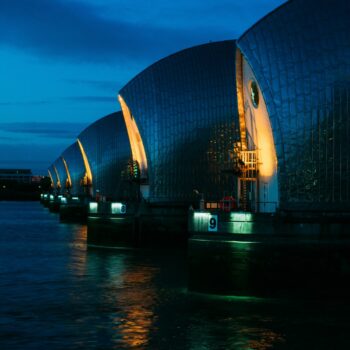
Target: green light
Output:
{"points": [[135, 170], [200, 221], [201, 215], [238, 298], [233, 243], [93, 207], [241, 227], [241, 217], [118, 208]]}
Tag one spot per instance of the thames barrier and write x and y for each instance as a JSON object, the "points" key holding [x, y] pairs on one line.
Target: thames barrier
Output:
{"points": [[238, 151]]}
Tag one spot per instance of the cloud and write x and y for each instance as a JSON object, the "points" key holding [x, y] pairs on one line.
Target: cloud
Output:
{"points": [[106, 85], [5, 138], [91, 98], [51, 130], [32, 156], [225, 16], [25, 103], [77, 31]]}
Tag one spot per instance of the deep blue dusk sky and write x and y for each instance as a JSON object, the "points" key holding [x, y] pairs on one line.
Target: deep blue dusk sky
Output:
{"points": [[62, 62]]}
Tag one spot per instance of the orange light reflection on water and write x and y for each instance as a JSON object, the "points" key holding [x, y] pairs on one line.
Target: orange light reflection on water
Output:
{"points": [[264, 338], [79, 255], [136, 300]]}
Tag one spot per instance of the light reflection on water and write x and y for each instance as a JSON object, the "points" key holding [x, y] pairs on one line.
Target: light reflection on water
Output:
{"points": [[133, 326], [57, 293], [78, 249]]}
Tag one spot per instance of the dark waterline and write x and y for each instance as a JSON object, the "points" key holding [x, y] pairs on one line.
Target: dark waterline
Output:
{"points": [[56, 293]]}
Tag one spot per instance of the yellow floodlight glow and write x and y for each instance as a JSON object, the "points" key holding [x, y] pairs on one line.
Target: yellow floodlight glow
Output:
{"points": [[69, 179], [51, 178], [136, 144], [86, 163], [58, 177], [240, 100], [268, 156], [259, 125]]}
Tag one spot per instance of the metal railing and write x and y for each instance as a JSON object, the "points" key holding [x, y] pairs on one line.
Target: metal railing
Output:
{"points": [[228, 206]]}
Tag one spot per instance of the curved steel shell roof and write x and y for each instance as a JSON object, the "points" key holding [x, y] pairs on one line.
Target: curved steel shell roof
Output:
{"points": [[300, 54], [108, 151], [185, 109]]}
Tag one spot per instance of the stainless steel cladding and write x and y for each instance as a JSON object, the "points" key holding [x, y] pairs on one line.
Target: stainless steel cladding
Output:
{"points": [[75, 164], [59, 174], [300, 55], [184, 111], [107, 149]]}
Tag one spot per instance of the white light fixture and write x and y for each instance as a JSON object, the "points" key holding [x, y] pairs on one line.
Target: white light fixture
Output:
{"points": [[93, 207], [118, 208]]}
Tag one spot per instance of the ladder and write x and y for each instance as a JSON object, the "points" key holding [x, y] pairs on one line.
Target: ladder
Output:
{"points": [[245, 165]]}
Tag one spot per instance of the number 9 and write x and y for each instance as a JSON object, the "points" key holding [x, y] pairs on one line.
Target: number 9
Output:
{"points": [[212, 223]]}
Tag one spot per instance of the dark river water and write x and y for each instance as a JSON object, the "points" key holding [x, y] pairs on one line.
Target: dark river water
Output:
{"points": [[57, 293]]}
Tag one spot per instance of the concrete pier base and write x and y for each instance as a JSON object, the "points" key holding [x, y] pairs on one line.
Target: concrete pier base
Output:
{"points": [[74, 212], [279, 257], [141, 226], [46, 204], [54, 206], [162, 226], [111, 231]]}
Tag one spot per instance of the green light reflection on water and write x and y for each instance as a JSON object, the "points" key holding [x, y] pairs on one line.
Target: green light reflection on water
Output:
{"points": [[233, 243], [238, 298], [213, 297]]}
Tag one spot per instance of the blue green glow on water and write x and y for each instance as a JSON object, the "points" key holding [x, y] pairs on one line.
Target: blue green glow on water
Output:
{"points": [[229, 242]]}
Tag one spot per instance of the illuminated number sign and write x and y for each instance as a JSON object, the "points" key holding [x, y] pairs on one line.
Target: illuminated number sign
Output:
{"points": [[213, 223]]}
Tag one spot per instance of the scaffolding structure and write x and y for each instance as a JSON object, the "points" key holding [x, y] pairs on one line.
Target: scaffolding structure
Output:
{"points": [[246, 166]]}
